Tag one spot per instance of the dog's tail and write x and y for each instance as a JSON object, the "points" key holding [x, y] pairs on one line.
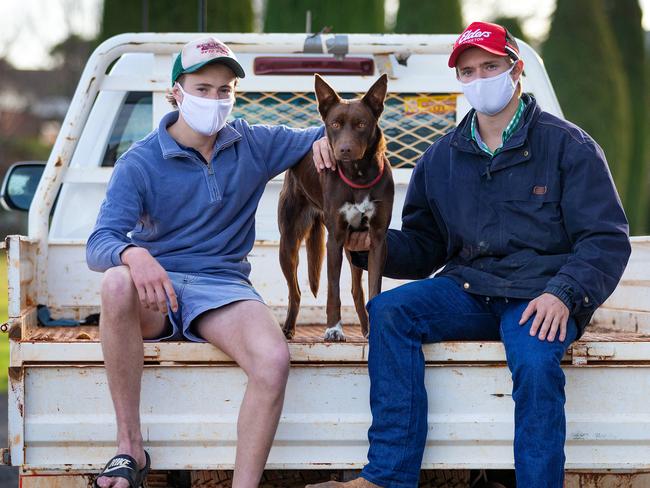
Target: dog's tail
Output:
{"points": [[315, 252]]}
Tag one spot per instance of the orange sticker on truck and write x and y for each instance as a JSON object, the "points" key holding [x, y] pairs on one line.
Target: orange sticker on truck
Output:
{"points": [[432, 104]]}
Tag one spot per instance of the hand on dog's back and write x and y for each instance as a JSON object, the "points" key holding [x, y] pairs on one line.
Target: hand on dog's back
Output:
{"points": [[323, 156]]}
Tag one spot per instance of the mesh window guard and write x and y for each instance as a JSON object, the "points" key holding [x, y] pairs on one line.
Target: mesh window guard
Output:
{"points": [[411, 121]]}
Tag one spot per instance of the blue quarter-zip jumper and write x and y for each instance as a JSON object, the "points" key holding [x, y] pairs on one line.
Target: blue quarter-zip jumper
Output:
{"points": [[191, 216]]}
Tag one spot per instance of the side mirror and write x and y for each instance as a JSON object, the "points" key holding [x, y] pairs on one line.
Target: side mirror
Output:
{"points": [[20, 184]]}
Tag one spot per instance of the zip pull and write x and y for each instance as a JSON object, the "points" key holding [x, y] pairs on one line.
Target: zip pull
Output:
{"points": [[489, 175], [210, 170]]}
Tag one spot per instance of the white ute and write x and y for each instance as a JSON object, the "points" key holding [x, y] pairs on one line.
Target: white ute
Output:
{"points": [[61, 419]]}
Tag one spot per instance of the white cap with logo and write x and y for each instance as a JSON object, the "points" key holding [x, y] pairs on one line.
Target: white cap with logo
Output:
{"points": [[196, 54]]}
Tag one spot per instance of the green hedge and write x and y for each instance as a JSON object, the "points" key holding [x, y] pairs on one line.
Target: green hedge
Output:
{"points": [[175, 16], [430, 17], [624, 17], [583, 61], [360, 16], [513, 24]]}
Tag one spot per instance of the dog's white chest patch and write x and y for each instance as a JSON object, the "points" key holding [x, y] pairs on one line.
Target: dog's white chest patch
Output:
{"points": [[355, 213]]}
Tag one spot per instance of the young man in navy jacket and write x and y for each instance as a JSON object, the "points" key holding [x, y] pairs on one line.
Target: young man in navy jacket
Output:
{"points": [[519, 210]]}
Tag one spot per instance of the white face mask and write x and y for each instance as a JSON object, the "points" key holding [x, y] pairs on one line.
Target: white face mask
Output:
{"points": [[490, 95], [206, 116]]}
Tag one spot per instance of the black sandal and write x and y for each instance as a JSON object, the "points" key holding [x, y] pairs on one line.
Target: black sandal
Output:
{"points": [[124, 466]]}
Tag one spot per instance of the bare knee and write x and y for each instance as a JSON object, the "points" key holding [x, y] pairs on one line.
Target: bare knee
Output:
{"points": [[271, 368], [117, 290]]}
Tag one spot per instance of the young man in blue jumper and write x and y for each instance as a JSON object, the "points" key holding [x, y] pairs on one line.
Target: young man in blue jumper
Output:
{"points": [[172, 238], [519, 210]]}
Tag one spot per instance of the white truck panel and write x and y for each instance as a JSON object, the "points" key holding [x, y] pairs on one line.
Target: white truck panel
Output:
{"points": [[189, 417]]}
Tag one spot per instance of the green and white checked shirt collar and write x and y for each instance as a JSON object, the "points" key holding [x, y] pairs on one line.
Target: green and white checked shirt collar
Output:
{"points": [[509, 130]]}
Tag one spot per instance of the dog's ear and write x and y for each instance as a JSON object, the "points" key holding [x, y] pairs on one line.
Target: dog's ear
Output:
{"points": [[374, 99], [325, 95]]}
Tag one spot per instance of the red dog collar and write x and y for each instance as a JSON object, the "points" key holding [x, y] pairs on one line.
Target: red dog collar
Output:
{"points": [[350, 183]]}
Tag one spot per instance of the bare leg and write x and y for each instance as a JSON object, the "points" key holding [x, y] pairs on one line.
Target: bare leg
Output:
{"points": [[248, 333], [121, 337]]}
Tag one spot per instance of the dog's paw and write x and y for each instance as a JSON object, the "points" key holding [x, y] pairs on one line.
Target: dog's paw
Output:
{"points": [[335, 334], [289, 332]]}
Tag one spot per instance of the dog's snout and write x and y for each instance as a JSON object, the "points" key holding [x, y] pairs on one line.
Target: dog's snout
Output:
{"points": [[348, 151]]}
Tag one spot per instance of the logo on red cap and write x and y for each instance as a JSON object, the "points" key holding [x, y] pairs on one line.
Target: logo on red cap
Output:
{"points": [[470, 35]]}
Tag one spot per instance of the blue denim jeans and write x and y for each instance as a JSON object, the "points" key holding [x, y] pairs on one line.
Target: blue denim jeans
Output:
{"points": [[438, 309]]}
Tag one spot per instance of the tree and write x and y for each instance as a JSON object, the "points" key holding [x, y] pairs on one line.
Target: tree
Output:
{"points": [[173, 16], [286, 15], [585, 66], [513, 24], [120, 16], [357, 16], [230, 16], [70, 56], [430, 17], [625, 19], [646, 184]]}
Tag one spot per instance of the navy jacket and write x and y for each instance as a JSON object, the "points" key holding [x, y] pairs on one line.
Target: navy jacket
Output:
{"points": [[542, 215]]}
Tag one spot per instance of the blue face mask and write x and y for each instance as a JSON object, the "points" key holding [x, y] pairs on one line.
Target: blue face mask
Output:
{"points": [[490, 95]]}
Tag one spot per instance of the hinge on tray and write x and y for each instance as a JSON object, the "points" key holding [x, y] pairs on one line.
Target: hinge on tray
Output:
{"points": [[579, 354]]}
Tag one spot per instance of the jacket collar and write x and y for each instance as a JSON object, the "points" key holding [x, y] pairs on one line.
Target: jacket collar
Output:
{"points": [[462, 137], [171, 149], [507, 156]]}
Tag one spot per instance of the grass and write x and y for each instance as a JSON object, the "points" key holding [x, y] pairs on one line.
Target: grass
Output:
{"points": [[4, 338]]}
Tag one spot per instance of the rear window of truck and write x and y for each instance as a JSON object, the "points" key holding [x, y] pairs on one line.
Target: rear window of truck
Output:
{"points": [[411, 121]]}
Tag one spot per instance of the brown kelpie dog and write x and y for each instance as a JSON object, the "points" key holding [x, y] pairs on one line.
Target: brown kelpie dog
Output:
{"points": [[358, 196]]}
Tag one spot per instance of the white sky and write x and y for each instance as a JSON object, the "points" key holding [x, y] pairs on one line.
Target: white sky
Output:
{"points": [[29, 28]]}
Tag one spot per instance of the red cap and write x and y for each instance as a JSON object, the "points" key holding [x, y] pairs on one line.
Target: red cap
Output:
{"points": [[492, 38]]}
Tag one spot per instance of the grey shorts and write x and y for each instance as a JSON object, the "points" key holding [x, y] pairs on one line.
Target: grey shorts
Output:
{"points": [[197, 294]]}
